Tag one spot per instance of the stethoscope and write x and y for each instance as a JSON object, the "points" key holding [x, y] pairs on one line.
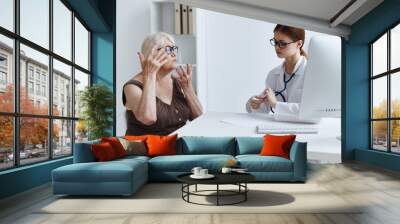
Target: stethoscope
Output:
{"points": [[280, 93]]}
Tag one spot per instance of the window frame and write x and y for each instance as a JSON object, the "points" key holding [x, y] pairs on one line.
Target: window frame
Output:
{"points": [[388, 74], [16, 115]]}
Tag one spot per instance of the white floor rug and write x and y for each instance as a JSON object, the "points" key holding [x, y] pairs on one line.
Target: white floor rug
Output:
{"points": [[166, 198]]}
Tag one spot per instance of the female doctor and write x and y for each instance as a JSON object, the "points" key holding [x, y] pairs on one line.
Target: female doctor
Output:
{"points": [[284, 84]]}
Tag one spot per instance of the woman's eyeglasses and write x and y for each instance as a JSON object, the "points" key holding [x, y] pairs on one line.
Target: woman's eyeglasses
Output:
{"points": [[169, 49], [280, 43]]}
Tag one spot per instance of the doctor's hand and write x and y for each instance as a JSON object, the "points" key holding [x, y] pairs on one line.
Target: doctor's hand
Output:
{"points": [[270, 97], [255, 102]]}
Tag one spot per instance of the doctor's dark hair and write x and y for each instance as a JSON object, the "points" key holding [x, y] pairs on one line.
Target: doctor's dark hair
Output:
{"points": [[293, 33]]}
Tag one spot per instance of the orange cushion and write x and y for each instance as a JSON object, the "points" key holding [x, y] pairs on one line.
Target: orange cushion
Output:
{"points": [[136, 137], [116, 145], [103, 151], [161, 145], [275, 145]]}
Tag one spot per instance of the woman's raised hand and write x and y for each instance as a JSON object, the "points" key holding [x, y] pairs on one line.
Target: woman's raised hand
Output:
{"points": [[154, 61], [184, 76]]}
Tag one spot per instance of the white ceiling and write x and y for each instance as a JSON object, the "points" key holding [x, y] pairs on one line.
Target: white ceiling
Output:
{"points": [[315, 15], [320, 9]]}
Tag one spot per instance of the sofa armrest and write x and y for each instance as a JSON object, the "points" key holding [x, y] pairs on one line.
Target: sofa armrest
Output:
{"points": [[298, 155], [83, 152]]}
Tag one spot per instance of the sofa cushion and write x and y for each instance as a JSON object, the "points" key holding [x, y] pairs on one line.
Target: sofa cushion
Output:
{"points": [[197, 145], [83, 152], [257, 163], [185, 163], [159, 145], [277, 145], [103, 152], [111, 171], [134, 147], [248, 145], [136, 137], [116, 145]]}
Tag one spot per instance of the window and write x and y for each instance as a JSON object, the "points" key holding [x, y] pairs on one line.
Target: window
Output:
{"points": [[55, 102], [33, 149], [81, 45], [3, 61], [62, 137], [30, 87], [3, 78], [38, 89], [44, 91], [37, 74], [35, 21], [62, 75], [7, 14], [62, 29], [6, 142], [385, 94], [30, 72], [3, 72], [81, 81], [43, 77], [6, 73], [47, 77]]}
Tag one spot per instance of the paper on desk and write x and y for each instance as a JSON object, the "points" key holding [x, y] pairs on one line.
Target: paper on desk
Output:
{"points": [[254, 120], [247, 120]]}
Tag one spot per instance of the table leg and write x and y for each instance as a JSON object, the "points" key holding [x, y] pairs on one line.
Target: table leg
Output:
{"points": [[217, 194], [196, 188], [245, 193], [188, 189], [182, 188]]}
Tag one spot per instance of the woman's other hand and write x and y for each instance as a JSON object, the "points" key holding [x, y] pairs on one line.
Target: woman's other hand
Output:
{"points": [[185, 77]]}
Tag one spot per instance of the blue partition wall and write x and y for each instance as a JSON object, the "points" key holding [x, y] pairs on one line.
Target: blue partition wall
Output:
{"points": [[356, 74]]}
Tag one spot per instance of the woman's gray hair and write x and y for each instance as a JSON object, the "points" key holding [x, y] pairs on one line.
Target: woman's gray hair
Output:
{"points": [[156, 39]]}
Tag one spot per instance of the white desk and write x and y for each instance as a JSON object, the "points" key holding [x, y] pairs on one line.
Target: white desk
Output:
{"points": [[322, 147]]}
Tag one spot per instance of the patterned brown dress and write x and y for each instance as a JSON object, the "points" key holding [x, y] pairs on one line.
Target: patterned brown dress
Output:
{"points": [[170, 117]]}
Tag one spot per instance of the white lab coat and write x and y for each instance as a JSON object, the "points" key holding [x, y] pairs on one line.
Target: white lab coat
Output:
{"points": [[292, 93]]}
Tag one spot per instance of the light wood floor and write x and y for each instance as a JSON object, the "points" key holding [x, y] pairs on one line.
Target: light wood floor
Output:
{"points": [[380, 189]]}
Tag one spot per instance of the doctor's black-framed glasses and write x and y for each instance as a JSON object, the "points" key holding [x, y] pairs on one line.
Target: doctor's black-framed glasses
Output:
{"points": [[280, 43]]}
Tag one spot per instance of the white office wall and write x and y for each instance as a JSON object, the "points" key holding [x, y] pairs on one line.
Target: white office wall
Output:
{"points": [[133, 24], [238, 57]]}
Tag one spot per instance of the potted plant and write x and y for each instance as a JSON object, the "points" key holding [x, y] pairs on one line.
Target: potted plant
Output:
{"points": [[96, 102]]}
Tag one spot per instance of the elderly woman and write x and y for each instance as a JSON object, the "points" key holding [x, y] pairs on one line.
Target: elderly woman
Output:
{"points": [[157, 102]]}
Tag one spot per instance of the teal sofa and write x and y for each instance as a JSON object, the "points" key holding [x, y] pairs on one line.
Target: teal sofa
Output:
{"points": [[125, 176]]}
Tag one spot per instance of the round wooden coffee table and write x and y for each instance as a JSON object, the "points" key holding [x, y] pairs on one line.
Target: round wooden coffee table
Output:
{"points": [[238, 179]]}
